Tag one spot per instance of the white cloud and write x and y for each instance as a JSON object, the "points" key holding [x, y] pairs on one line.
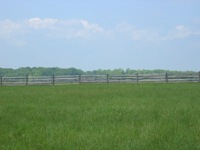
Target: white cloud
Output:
{"points": [[145, 35], [38, 23], [12, 33], [136, 34], [180, 32], [7, 28], [70, 29], [92, 27], [54, 28], [88, 30], [66, 28]]}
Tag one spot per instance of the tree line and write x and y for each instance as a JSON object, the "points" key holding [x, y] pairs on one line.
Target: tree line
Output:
{"points": [[44, 71]]}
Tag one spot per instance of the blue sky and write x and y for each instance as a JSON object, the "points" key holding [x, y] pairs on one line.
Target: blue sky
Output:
{"points": [[106, 34]]}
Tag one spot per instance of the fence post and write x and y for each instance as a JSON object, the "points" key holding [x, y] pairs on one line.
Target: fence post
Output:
{"points": [[53, 80], [199, 76], [166, 77], [107, 78], [26, 79], [137, 77], [79, 79], [1, 80]]}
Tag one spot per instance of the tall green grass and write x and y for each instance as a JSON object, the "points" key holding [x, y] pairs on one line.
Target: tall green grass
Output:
{"points": [[101, 116]]}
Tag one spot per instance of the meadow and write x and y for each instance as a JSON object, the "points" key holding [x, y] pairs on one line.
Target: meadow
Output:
{"points": [[147, 116]]}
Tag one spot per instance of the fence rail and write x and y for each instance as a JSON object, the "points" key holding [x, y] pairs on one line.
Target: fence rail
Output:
{"points": [[78, 79]]}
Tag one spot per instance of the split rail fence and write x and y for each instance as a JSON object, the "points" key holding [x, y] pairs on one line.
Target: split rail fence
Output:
{"points": [[79, 79]]}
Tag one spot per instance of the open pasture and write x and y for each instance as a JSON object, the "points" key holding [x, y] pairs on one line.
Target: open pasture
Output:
{"points": [[149, 116]]}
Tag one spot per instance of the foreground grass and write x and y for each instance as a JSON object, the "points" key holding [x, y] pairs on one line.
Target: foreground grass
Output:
{"points": [[101, 116]]}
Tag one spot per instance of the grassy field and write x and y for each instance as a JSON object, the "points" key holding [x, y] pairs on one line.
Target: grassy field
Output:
{"points": [[149, 116]]}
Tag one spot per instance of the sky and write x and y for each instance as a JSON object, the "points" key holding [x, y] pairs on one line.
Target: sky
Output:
{"points": [[100, 34]]}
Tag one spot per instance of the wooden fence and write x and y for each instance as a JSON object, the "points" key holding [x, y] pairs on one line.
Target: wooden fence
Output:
{"points": [[78, 79]]}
